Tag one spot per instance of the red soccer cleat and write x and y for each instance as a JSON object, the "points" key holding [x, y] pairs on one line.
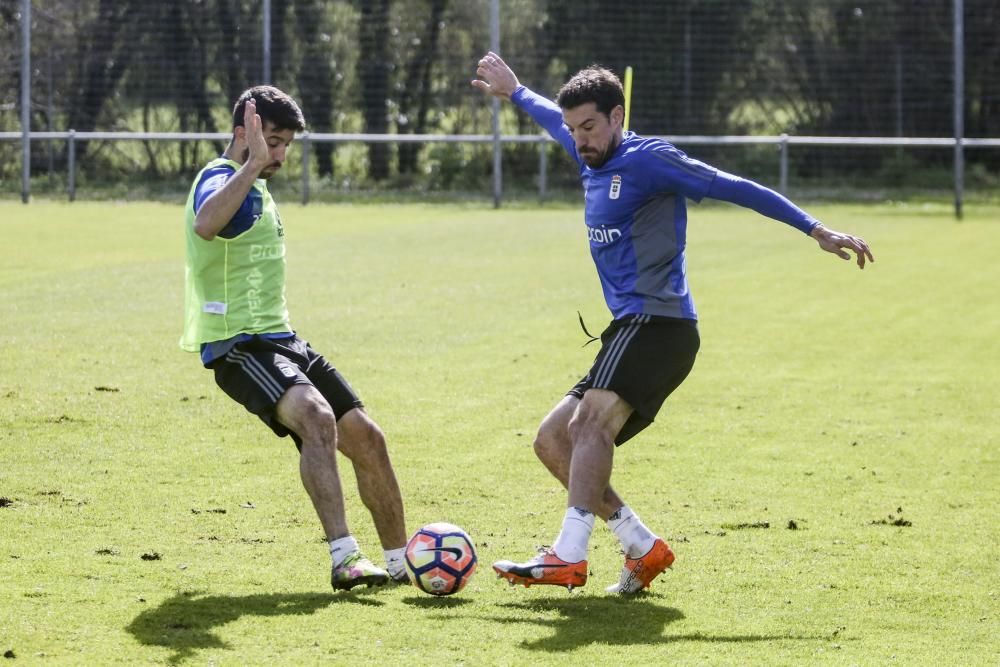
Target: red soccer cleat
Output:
{"points": [[545, 569], [639, 572]]}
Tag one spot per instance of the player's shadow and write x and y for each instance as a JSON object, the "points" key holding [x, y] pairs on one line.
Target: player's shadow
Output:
{"points": [[186, 622], [608, 620]]}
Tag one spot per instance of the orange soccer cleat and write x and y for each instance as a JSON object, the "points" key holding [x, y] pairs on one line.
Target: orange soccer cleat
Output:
{"points": [[544, 569], [639, 572]]}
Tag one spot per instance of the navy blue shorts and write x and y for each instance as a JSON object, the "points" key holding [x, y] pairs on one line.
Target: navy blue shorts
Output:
{"points": [[256, 373], [643, 359]]}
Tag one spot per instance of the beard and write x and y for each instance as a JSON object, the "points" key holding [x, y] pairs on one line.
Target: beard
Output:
{"points": [[596, 160], [268, 171]]}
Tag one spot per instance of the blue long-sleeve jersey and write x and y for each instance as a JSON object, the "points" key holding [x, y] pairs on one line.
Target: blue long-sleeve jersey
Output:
{"points": [[636, 214]]}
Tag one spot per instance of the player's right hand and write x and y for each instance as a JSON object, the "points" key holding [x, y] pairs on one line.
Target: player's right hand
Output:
{"points": [[495, 77], [260, 154]]}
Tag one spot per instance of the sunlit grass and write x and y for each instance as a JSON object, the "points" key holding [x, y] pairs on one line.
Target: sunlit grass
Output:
{"points": [[828, 474]]}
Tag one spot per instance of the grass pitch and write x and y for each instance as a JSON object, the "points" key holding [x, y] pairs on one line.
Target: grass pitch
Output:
{"points": [[828, 474]]}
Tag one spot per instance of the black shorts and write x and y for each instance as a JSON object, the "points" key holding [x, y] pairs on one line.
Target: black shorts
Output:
{"points": [[256, 374], [643, 358]]}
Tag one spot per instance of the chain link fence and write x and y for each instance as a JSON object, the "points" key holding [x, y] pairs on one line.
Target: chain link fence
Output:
{"points": [[704, 69]]}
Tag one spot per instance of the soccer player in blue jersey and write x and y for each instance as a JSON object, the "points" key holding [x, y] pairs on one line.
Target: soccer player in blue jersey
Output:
{"points": [[635, 190]]}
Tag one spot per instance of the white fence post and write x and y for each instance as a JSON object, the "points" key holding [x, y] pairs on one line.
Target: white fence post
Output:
{"points": [[543, 168], [25, 101], [959, 105], [266, 43], [305, 168], [71, 165], [497, 145], [783, 164]]}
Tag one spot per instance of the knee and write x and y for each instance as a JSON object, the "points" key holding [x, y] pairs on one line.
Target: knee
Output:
{"points": [[365, 445], [577, 426], [548, 445], [374, 441], [318, 425], [585, 424]]}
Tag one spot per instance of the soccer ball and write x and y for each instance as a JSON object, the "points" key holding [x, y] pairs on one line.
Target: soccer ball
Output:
{"points": [[440, 558]]}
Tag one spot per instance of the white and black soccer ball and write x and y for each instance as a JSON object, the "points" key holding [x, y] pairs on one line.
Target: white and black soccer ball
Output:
{"points": [[440, 558]]}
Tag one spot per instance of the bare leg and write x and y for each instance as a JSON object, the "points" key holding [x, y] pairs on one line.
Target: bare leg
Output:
{"points": [[555, 450], [362, 441], [304, 410], [592, 430]]}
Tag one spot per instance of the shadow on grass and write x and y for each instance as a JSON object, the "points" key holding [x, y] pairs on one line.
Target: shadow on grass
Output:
{"points": [[185, 622], [608, 620], [435, 602]]}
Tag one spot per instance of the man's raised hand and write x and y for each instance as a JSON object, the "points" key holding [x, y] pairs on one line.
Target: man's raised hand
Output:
{"points": [[259, 155], [495, 77]]}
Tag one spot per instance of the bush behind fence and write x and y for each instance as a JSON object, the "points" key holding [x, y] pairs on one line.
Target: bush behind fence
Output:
{"points": [[703, 67]]}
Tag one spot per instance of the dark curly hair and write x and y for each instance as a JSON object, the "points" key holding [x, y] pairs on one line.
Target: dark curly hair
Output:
{"points": [[273, 106], [592, 84]]}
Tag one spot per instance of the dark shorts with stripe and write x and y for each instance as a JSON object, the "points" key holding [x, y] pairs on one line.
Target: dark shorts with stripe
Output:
{"points": [[643, 358], [256, 373]]}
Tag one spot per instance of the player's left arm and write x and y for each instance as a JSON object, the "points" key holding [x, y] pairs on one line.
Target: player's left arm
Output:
{"points": [[767, 202]]}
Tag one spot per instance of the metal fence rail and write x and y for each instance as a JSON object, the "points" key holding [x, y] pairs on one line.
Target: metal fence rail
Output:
{"points": [[782, 142]]}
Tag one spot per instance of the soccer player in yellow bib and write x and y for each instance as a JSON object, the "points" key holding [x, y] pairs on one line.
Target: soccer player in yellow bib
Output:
{"points": [[236, 318]]}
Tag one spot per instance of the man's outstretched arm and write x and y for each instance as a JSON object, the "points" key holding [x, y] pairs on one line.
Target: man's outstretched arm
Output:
{"points": [[765, 201]]}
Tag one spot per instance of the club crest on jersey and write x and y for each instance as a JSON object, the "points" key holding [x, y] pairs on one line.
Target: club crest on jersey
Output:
{"points": [[616, 187]]}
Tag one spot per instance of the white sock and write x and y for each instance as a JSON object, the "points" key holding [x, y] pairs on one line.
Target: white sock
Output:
{"points": [[636, 539], [571, 545], [395, 563], [343, 547]]}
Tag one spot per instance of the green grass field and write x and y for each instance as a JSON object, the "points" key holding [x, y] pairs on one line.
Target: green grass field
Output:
{"points": [[144, 518]]}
